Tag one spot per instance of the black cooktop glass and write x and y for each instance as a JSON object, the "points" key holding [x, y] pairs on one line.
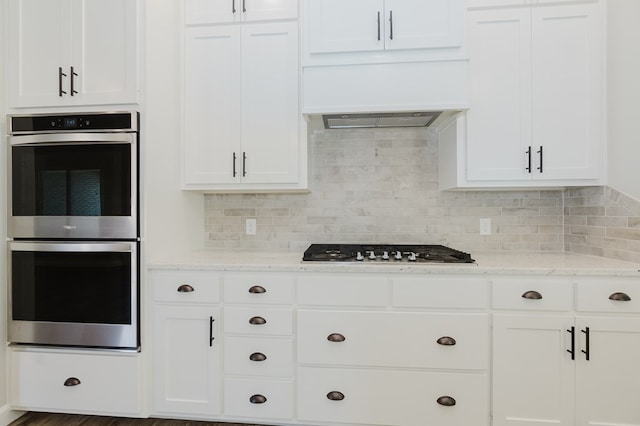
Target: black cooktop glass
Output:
{"points": [[384, 253]]}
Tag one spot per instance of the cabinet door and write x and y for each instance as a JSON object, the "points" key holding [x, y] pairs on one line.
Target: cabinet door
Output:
{"points": [[533, 374], [420, 24], [499, 120], [567, 87], [211, 12], [211, 104], [105, 52], [608, 384], [39, 35], [262, 10], [344, 26], [187, 360], [269, 103]]}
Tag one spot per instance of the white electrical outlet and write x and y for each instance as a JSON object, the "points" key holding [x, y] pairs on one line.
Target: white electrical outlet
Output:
{"points": [[485, 226], [251, 227]]}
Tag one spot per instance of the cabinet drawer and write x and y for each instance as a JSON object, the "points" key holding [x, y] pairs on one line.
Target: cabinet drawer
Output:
{"points": [[392, 397], [262, 288], [432, 291], [343, 290], [393, 339], [107, 383], [613, 295], [269, 321], [532, 294], [268, 399], [255, 356], [186, 286]]}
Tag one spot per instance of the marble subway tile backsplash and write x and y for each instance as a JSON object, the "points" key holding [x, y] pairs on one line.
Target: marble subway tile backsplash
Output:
{"points": [[381, 185]]}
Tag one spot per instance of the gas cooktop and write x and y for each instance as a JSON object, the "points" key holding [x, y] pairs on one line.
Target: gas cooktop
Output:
{"points": [[384, 253]]}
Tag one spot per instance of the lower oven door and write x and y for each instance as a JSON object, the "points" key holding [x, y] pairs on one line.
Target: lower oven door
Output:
{"points": [[81, 294]]}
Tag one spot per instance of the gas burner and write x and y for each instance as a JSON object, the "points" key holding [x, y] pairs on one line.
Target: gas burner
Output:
{"points": [[384, 253]]}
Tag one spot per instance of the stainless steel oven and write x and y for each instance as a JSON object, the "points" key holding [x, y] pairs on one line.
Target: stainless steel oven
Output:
{"points": [[74, 240], [73, 176], [74, 293]]}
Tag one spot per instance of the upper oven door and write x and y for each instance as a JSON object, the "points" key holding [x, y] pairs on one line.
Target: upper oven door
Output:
{"points": [[73, 185]]}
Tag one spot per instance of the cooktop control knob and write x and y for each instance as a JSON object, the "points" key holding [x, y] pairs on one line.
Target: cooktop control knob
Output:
{"points": [[398, 255], [359, 256], [372, 255], [412, 257], [385, 255]]}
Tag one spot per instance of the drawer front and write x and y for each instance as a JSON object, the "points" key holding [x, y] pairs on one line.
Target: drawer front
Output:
{"points": [[433, 291], [105, 383], [257, 356], [343, 290], [265, 399], [267, 321], [265, 288], [393, 339], [186, 286], [612, 295], [392, 397], [533, 294]]}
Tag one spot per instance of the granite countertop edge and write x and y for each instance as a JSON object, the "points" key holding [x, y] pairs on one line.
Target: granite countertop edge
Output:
{"points": [[488, 263]]}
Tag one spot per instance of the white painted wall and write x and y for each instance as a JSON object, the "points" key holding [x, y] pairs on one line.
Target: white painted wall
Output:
{"points": [[174, 219], [623, 49]]}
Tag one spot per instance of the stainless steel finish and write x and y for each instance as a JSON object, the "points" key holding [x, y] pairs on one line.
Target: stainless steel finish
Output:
{"points": [[101, 227], [132, 129], [396, 119], [77, 334]]}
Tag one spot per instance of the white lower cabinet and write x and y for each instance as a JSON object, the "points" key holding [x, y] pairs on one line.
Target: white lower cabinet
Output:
{"points": [[392, 397], [578, 367], [187, 360], [75, 381]]}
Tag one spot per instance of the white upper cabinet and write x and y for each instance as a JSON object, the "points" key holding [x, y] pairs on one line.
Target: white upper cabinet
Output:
{"points": [[368, 25], [536, 103], [227, 11], [72, 52]]}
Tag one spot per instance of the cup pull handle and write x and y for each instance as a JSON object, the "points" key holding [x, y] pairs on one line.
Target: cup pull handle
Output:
{"points": [[257, 321], [532, 295], [620, 297], [257, 356], [336, 337], [257, 289], [185, 288], [446, 401], [335, 396], [258, 399], [446, 341], [72, 381]]}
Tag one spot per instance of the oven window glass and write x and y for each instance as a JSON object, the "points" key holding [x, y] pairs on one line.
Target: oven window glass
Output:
{"points": [[79, 287], [71, 180]]}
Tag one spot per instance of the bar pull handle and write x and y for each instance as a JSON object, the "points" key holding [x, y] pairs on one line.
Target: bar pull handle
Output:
{"points": [[258, 399], [257, 321], [73, 74], [235, 172], [257, 357], [336, 337], [244, 8], [233, 6], [244, 164], [391, 25], [541, 159], [587, 350], [446, 401], [60, 75], [72, 381], [378, 25], [335, 396], [572, 351], [446, 341], [257, 289], [620, 297], [185, 288], [211, 337], [528, 168], [532, 295]]}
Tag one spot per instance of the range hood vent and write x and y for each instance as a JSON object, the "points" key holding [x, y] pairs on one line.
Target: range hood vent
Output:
{"points": [[396, 119]]}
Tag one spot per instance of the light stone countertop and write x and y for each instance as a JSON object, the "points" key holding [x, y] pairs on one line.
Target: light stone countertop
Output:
{"points": [[496, 263]]}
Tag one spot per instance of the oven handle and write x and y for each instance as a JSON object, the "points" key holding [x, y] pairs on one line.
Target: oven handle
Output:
{"points": [[70, 246], [72, 138]]}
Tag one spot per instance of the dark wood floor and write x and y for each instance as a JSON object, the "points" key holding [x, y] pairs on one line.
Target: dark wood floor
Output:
{"points": [[47, 419]]}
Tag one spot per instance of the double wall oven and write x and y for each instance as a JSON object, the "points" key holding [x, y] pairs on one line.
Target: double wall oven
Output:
{"points": [[73, 227]]}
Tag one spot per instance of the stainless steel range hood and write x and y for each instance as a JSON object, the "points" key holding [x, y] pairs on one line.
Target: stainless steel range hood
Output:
{"points": [[384, 120]]}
